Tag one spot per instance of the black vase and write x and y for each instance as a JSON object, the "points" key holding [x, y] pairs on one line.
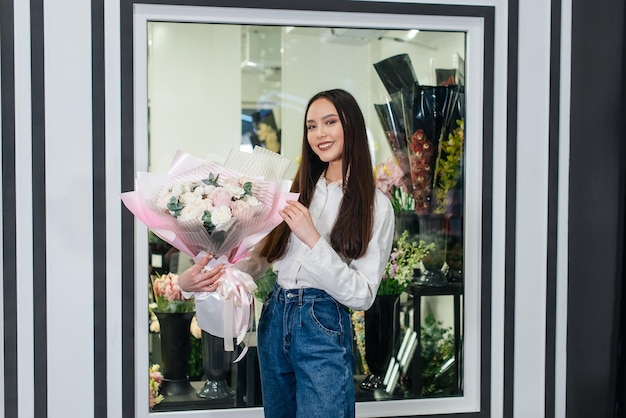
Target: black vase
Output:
{"points": [[382, 331], [217, 364], [175, 348]]}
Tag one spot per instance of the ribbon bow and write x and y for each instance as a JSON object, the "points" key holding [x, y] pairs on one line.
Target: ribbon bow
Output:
{"points": [[227, 312]]}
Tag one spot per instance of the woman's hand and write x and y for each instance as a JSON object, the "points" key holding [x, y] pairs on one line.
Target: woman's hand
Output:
{"points": [[298, 218], [197, 279]]}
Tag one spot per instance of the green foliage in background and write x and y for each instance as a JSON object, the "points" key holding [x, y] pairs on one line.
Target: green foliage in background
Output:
{"points": [[265, 284], [195, 369], [437, 349]]}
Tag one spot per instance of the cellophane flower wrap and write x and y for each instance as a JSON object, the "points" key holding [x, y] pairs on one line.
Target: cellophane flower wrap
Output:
{"points": [[424, 126], [222, 209]]}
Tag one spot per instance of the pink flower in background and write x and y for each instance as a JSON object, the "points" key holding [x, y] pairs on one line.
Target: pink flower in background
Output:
{"points": [[166, 286], [387, 175], [168, 295], [391, 180]]}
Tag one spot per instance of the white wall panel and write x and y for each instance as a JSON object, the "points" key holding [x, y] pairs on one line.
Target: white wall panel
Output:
{"points": [[113, 208], [563, 214], [532, 208], [24, 232], [499, 209], [69, 206]]}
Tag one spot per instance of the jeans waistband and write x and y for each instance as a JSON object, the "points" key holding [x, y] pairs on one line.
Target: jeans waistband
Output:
{"points": [[299, 295]]}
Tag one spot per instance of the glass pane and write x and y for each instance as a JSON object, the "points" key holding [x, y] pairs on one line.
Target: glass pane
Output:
{"points": [[212, 87]]}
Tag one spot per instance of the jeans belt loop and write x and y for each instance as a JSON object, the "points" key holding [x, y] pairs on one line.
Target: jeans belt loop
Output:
{"points": [[277, 292], [300, 296]]}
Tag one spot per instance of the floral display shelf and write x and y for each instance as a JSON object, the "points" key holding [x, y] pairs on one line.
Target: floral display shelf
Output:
{"points": [[454, 289], [244, 378], [248, 395], [191, 401]]}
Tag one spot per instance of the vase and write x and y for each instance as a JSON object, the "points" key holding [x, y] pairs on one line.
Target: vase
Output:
{"points": [[382, 331], [217, 365], [175, 348]]}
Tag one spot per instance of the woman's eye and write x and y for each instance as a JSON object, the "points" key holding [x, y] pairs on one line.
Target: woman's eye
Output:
{"points": [[310, 127], [331, 122]]}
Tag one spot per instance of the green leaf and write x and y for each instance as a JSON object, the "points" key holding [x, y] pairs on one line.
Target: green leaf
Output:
{"points": [[206, 221], [247, 188], [174, 206], [211, 180], [172, 306]]}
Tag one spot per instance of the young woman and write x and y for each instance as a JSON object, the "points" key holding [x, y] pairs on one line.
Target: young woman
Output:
{"points": [[329, 255]]}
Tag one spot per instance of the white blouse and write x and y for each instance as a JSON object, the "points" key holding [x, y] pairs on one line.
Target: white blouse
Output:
{"points": [[352, 283]]}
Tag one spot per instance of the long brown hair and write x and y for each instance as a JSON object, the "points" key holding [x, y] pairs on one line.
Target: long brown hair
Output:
{"points": [[352, 231]]}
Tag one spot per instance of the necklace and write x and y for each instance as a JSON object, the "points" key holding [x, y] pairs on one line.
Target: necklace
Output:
{"points": [[338, 183]]}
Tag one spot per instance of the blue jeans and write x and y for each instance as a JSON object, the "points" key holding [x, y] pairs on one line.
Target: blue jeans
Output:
{"points": [[305, 355]]}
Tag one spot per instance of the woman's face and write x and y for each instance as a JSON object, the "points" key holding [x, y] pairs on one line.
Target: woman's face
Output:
{"points": [[324, 131]]}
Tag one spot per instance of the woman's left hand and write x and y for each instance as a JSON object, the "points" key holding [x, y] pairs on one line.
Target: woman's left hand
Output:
{"points": [[198, 279], [298, 218]]}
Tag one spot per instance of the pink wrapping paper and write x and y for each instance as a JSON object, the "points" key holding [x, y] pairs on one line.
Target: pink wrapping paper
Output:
{"points": [[228, 311]]}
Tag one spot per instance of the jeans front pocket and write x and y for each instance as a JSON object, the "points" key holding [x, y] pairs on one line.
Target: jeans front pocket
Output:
{"points": [[326, 315]]}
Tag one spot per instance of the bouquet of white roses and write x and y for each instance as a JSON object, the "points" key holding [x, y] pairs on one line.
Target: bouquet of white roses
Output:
{"points": [[222, 209]]}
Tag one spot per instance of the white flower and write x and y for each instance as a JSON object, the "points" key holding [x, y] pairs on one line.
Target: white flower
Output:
{"points": [[195, 330], [189, 198], [235, 190], [155, 326], [177, 189], [164, 198], [194, 210], [220, 215]]}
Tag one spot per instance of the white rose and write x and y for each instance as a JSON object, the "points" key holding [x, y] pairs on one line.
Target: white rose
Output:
{"points": [[177, 190], [189, 198], [163, 200], [236, 191], [195, 210], [220, 215]]}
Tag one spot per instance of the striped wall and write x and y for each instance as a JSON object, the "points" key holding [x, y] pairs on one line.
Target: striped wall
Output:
{"points": [[67, 253]]}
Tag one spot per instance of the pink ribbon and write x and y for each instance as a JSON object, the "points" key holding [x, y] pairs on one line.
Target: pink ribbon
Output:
{"points": [[227, 312]]}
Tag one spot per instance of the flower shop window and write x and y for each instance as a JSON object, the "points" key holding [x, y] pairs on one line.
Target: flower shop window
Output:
{"points": [[209, 79]]}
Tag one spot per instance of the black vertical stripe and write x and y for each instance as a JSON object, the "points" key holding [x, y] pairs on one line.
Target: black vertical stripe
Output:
{"points": [[487, 214], [9, 214], [620, 385], [595, 208], [128, 221], [511, 196], [39, 206], [553, 196], [99, 209]]}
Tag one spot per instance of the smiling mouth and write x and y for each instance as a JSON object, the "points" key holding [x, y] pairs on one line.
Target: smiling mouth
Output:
{"points": [[324, 146]]}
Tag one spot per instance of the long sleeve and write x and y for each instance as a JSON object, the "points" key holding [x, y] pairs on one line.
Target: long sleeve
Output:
{"points": [[354, 283], [351, 282]]}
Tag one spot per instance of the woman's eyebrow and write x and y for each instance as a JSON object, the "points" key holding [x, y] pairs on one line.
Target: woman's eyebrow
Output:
{"points": [[330, 115]]}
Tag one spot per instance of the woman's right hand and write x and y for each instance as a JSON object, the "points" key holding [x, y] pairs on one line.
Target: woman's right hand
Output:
{"points": [[198, 279]]}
